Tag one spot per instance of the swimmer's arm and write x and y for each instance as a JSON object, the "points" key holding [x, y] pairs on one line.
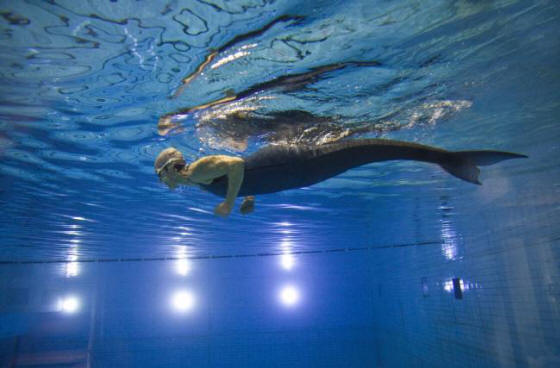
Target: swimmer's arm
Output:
{"points": [[206, 169]]}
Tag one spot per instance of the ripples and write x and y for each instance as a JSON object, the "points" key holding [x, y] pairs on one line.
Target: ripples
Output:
{"points": [[45, 71], [23, 156], [131, 112], [79, 137], [129, 133], [85, 83]]}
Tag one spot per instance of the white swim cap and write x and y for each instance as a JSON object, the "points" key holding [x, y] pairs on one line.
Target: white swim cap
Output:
{"points": [[166, 157]]}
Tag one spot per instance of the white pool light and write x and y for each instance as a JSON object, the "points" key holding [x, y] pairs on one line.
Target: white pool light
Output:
{"points": [[70, 304], [289, 295], [448, 286], [183, 301]]}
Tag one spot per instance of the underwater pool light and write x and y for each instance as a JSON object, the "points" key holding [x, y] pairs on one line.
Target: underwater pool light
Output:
{"points": [[289, 295], [69, 305], [456, 286], [183, 301]]}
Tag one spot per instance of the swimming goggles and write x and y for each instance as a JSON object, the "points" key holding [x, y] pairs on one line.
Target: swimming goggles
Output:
{"points": [[178, 165]]}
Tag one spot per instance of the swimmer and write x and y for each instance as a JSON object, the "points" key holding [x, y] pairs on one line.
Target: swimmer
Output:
{"points": [[281, 167]]}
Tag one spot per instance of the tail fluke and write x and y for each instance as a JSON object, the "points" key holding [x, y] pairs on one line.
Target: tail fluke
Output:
{"points": [[484, 158], [462, 164]]}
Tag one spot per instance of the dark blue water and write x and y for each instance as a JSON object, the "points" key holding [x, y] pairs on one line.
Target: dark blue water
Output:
{"points": [[395, 264]]}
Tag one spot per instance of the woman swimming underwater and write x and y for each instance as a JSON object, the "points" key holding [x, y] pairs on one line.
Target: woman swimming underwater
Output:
{"points": [[276, 168]]}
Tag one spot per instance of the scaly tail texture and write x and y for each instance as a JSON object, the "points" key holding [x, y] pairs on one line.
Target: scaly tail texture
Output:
{"points": [[463, 164]]}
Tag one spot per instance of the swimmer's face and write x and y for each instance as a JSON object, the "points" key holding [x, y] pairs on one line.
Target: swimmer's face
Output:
{"points": [[170, 173]]}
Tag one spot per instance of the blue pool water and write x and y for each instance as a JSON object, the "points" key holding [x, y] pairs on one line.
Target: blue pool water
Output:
{"points": [[394, 264]]}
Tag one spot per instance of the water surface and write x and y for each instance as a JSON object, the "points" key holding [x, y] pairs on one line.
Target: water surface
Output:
{"points": [[373, 252]]}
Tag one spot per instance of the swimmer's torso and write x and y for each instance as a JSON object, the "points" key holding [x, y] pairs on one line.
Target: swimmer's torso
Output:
{"points": [[282, 167]]}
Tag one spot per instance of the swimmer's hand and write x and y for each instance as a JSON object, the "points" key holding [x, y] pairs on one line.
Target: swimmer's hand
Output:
{"points": [[223, 209], [248, 205]]}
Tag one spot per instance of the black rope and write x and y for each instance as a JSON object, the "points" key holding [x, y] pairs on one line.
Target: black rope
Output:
{"points": [[221, 256]]}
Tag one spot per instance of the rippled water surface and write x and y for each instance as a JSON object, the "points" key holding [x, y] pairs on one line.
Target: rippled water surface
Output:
{"points": [[84, 84]]}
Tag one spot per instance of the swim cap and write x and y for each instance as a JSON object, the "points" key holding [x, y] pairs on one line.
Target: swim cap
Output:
{"points": [[166, 157]]}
